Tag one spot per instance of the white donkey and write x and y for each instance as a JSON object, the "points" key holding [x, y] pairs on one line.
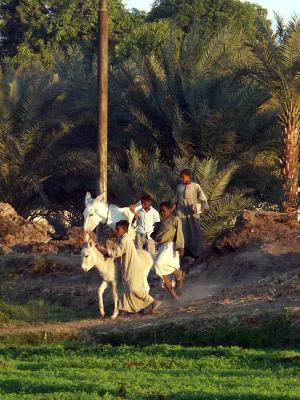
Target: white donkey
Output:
{"points": [[108, 269], [98, 212]]}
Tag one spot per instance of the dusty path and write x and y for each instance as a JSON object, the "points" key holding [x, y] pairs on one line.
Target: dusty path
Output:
{"points": [[257, 272], [231, 305]]}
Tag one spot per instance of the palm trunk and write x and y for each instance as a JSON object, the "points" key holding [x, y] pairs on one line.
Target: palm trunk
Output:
{"points": [[102, 98], [290, 161]]}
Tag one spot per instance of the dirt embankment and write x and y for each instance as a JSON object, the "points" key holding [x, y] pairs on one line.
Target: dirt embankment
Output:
{"points": [[254, 269], [261, 228], [25, 236], [15, 230]]}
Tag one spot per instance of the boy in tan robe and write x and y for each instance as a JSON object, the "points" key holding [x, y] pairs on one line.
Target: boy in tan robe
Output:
{"points": [[191, 202], [135, 289]]}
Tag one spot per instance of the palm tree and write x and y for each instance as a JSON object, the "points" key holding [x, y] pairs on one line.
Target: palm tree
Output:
{"points": [[148, 174], [277, 68], [35, 119], [48, 131], [190, 98]]}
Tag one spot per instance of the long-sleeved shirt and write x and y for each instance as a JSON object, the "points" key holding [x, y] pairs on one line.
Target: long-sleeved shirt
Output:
{"points": [[169, 230], [146, 221], [188, 197]]}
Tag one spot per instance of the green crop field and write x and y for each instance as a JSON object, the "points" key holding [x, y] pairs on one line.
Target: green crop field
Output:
{"points": [[154, 372]]}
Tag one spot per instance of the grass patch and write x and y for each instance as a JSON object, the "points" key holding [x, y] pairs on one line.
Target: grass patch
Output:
{"points": [[159, 372], [266, 331], [36, 311]]}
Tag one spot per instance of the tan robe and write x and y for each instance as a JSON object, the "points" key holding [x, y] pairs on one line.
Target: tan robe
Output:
{"points": [[135, 289], [169, 230], [188, 199]]}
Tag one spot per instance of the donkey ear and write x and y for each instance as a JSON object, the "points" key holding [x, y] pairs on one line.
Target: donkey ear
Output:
{"points": [[100, 198], [88, 198]]}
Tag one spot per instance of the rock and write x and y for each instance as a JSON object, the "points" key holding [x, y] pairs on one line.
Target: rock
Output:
{"points": [[75, 237], [15, 230], [45, 292], [45, 222], [7, 211], [33, 236]]}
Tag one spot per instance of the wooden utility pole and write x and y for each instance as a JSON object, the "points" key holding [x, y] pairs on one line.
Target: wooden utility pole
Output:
{"points": [[102, 97]]}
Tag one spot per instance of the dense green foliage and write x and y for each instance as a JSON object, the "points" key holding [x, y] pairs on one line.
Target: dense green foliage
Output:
{"points": [[188, 81], [156, 372], [31, 29], [37, 116], [212, 15], [147, 174]]}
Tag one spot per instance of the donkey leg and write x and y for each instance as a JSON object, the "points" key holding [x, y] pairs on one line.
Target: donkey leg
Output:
{"points": [[115, 296], [101, 290]]}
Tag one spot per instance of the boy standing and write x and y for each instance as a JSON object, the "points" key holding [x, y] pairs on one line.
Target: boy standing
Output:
{"points": [[145, 217], [191, 203]]}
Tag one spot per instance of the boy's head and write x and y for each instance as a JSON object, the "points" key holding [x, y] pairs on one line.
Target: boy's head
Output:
{"points": [[146, 201], [121, 228], [185, 176], [166, 208]]}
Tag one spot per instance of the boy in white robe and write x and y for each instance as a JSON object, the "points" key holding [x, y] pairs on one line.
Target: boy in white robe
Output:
{"points": [[169, 237]]}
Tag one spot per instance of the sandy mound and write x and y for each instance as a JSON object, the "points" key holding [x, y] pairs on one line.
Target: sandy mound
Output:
{"points": [[15, 230], [24, 236], [261, 228], [71, 242]]}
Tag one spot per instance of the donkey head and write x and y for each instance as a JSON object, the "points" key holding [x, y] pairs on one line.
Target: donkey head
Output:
{"points": [[95, 212], [90, 255]]}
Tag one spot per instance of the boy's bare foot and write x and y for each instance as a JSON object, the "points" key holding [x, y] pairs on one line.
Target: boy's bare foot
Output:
{"points": [[155, 305], [179, 282], [174, 295]]}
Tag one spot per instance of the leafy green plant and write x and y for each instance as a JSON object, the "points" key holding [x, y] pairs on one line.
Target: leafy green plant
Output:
{"points": [[194, 97], [148, 174], [36, 117], [152, 372], [277, 68]]}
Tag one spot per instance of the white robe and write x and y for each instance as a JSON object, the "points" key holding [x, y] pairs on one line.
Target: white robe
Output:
{"points": [[167, 260]]}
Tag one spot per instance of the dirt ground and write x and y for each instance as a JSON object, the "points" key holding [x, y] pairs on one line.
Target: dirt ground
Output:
{"points": [[253, 270]]}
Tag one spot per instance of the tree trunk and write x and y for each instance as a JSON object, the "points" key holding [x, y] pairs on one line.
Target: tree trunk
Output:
{"points": [[290, 170], [102, 98], [102, 106]]}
